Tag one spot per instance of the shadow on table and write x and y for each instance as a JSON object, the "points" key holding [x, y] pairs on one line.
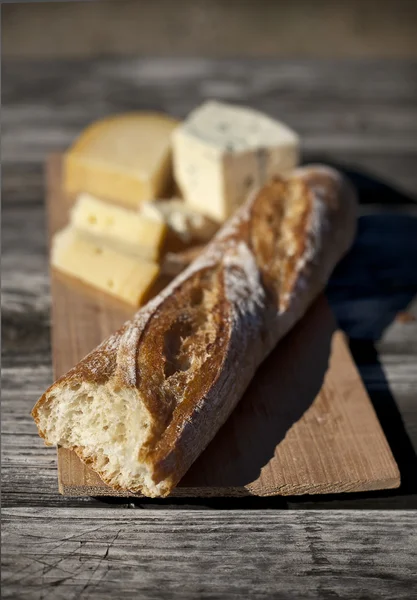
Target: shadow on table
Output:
{"points": [[375, 281], [249, 438], [385, 284], [373, 191], [369, 287]]}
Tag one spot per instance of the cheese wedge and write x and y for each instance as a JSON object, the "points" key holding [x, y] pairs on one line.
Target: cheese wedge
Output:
{"points": [[117, 274], [185, 224], [125, 158], [222, 152], [118, 227]]}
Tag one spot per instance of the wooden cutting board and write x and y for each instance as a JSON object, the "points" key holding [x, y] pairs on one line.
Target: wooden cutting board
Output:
{"points": [[305, 425]]}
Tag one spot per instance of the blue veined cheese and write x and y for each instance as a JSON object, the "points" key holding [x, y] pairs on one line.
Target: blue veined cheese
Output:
{"points": [[222, 151]]}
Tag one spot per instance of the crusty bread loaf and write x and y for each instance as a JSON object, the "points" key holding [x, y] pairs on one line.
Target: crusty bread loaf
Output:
{"points": [[142, 406]]}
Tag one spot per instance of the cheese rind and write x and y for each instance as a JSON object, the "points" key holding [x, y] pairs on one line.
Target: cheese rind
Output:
{"points": [[124, 158], [221, 152], [117, 274], [118, 227]]}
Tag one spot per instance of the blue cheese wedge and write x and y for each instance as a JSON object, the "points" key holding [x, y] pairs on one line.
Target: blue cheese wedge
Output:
{"points": [[221, 152]]}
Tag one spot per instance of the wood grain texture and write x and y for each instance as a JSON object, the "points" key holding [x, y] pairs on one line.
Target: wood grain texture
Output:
{"points": [[304, 426], [100, 554], [358, 115], [342, 110], [264, 28], [45, 105]]}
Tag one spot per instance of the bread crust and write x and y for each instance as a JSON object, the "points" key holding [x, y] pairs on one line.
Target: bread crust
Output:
{"points": [[192, 350]]}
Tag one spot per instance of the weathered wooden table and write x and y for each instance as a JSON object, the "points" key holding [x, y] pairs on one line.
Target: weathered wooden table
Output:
{"points": [[360, 116]]}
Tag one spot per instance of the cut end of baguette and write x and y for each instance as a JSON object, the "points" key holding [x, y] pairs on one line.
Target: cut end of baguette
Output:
{"points": [[107, 427]]}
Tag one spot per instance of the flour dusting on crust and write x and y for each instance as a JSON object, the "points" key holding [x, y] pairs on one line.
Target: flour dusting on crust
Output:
{"points": [[243, 311]]}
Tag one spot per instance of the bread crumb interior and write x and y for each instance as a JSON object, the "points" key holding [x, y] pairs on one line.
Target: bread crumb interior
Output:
{"points": [[106, 426]]}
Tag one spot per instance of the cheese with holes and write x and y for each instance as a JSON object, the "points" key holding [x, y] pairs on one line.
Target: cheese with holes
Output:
{"points": [[184, 223], [221, 152], [125, 158], [118, 227], [125, 277]]}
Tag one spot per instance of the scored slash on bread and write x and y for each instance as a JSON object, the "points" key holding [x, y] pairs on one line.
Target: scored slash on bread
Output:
{"points": [[142, 406]]}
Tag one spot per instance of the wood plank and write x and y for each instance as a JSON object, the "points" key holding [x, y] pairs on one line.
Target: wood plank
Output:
{"points": [[318, 98], [305, 425], [275, 29], [346, 114], [359, 108], [102, 554]]}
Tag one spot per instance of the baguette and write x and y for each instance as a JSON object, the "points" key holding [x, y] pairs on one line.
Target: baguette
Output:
{"points": [[143, 405]]}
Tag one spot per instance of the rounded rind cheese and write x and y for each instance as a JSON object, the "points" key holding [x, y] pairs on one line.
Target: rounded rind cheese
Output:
{"points": [[123, 158]]}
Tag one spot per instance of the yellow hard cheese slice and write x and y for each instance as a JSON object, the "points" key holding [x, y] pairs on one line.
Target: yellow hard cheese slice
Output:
{"points": [[122, 229], [125, 158], [123, 276]]}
